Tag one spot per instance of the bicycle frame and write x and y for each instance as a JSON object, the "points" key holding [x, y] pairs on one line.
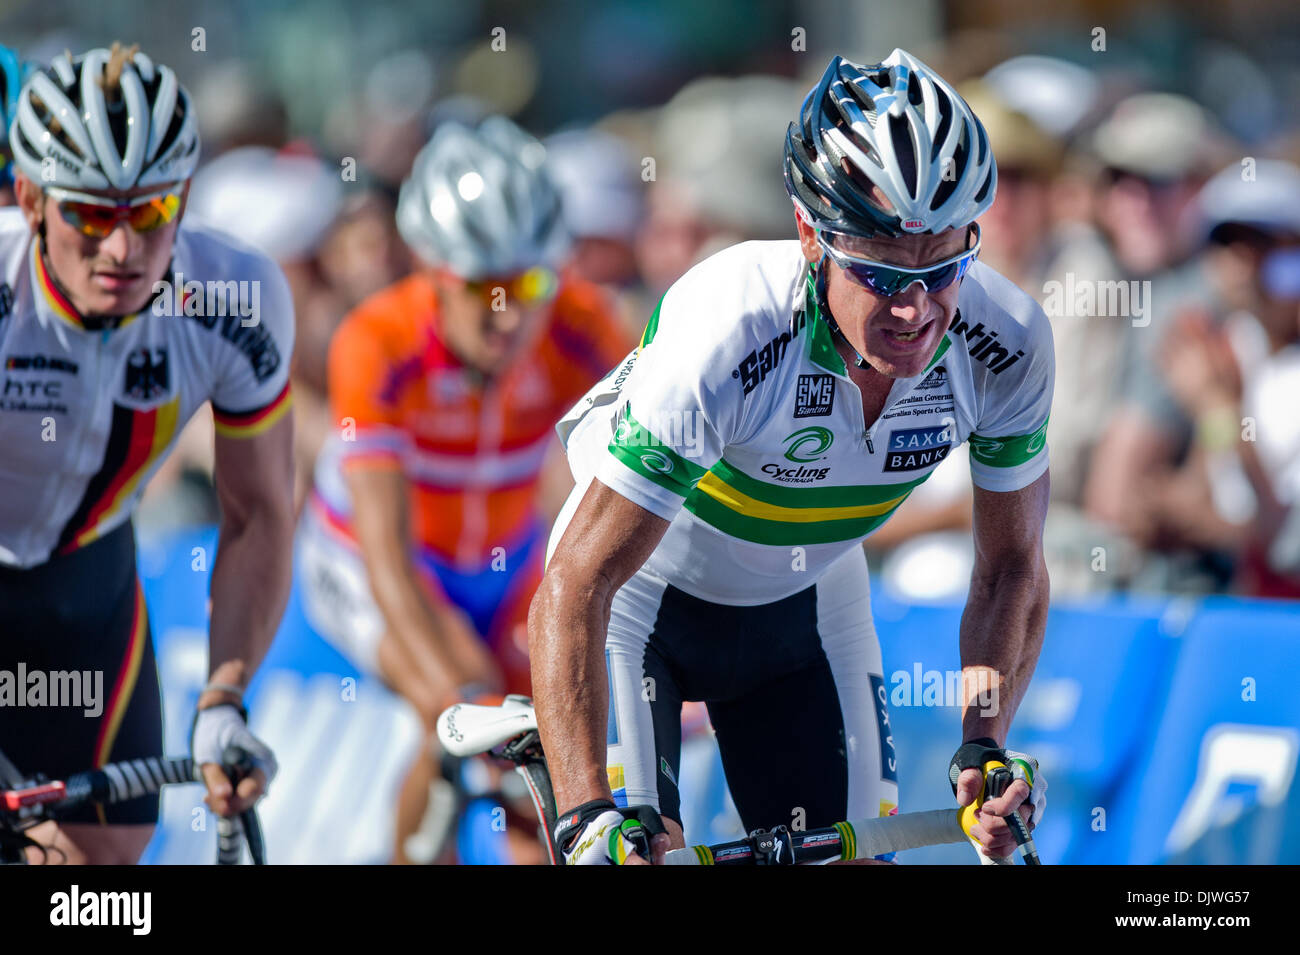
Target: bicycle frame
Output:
{"points": [[509, 732]]}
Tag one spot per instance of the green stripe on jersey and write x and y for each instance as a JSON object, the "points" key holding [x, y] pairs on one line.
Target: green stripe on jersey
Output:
{"points": [[853, 495], [652, 326], [761, 530], [1008, 452], [635, 446], [938, 352]]}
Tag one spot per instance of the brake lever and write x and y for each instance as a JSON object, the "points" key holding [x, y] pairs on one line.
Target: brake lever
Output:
{"points": [[237, 764]]}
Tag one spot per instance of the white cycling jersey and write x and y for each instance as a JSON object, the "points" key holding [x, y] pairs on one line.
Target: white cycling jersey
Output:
{"points": [[88, 414], [736, 420]]}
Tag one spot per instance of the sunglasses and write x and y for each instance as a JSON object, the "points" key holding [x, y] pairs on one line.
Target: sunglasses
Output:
{"points": [[527, 289], [1280, 273], [888, 280], [97, 217]]}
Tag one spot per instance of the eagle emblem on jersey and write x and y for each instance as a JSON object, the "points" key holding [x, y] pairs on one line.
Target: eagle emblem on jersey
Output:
{"points": [[146, 374]]}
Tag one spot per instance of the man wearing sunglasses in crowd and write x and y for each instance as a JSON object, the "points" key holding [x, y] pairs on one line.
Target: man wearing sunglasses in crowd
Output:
{"points": [[785, 399], [421, 544], [100, 372]]}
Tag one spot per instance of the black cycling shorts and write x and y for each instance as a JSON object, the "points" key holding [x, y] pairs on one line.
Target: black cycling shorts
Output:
{"points": [[794, 690], [77, 654]]}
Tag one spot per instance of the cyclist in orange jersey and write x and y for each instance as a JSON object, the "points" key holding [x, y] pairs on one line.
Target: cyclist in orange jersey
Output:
{"points": [[421, 544]]}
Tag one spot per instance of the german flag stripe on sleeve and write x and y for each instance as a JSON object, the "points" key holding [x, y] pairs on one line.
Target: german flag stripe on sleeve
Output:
{"points": [[249, 424], [136, 439]]}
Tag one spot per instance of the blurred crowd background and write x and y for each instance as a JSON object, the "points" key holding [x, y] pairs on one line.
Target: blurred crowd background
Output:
{"points": [[1145, 143]]}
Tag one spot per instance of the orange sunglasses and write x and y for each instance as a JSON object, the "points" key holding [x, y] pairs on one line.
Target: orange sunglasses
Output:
{"points": [[97, 217]]}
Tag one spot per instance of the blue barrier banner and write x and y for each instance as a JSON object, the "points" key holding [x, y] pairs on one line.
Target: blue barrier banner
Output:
{"points": [[1222, 765], [1168, 730]]}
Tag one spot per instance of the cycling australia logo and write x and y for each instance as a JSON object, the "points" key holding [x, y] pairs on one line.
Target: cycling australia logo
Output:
{"points": [[807, 444], [146, 374], [802, 447]]}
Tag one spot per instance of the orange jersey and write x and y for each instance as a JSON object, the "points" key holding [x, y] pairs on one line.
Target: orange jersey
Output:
{"points": [[472, 454]]}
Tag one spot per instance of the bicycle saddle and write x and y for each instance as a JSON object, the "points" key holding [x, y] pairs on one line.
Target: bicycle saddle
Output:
{"points": [[467, 729]]}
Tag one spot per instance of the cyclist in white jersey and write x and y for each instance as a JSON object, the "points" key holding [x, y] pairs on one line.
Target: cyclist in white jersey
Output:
{"points": [[116, 325], [785, 399]]}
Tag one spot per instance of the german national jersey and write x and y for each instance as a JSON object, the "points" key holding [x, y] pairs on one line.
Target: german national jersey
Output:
{"points": [[88, 414], [737, 422], [472, 453]]}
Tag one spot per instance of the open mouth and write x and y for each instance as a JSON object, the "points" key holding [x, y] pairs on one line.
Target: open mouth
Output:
{"points": [[907, 337]]}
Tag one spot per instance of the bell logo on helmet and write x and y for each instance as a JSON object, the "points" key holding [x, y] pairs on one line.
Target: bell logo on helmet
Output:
{"points": [[914, 224]]}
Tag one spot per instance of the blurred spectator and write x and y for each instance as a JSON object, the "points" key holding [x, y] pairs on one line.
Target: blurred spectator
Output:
{"points": [[1167, 473], [604, 201], [1156, 149], [1239, 383], [1039, 234], [1056, 95], [718, 178], [237, 107], [362, 251], [1015, 230]]}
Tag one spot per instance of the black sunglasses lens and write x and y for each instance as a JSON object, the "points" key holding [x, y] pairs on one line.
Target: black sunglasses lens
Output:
{"points": [[941, 278], [889, 282], [882, 281]]}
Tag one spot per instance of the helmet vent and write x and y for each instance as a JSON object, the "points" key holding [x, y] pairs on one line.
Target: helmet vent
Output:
{"points": [[51, 123], [945, 124], [173, 128], [905, 151], [948, 182]]}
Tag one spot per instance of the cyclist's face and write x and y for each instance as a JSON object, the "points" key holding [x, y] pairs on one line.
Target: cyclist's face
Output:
{"points": [[482, 324], [897, 335], [113, 275]]}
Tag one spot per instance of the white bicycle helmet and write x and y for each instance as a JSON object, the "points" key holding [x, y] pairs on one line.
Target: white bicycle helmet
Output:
{"points": [[138, 132], [480, 201], [869, 152]]}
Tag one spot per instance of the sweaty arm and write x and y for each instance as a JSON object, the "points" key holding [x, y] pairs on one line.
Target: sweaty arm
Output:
{"points": [[254, 563], [253, 473], [1006, 609], [436, 638], [607, 541]]}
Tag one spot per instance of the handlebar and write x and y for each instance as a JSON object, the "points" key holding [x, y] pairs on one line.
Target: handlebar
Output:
{"points": [[35, 801]]}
